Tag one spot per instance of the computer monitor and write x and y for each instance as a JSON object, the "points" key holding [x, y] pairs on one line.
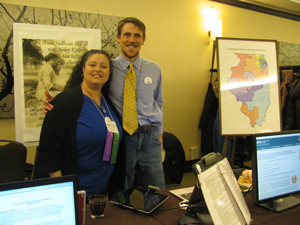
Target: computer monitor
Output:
{"points": [[276, 169]]}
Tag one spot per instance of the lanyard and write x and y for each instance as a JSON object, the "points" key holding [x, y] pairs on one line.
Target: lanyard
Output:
{"points": [[112, 135]]}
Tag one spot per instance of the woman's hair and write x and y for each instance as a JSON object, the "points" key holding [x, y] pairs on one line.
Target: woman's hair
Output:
{"points": [[50, 56], [76, 76]]}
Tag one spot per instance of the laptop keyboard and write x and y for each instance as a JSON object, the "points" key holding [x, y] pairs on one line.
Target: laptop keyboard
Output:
{"points": [[187, 196]]}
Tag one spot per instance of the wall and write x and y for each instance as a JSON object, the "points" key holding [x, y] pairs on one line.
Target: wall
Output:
{"points": [[177, 40]]}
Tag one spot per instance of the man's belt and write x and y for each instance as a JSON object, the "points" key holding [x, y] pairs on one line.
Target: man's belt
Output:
{"points": [[143, 128]]}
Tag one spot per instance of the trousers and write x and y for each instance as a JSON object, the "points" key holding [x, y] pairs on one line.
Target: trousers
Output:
{"points": [[143, 159]]}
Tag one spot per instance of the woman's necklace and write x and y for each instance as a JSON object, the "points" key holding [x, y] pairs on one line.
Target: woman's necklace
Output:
{"points": [[103, 109]]}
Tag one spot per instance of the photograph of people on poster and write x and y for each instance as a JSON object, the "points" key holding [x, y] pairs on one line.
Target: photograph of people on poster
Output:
{"points": [[44, 57], [47, 65]]}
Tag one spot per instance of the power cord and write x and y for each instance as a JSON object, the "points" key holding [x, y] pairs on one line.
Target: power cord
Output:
{"points": [[178, 207], [247, 191]]}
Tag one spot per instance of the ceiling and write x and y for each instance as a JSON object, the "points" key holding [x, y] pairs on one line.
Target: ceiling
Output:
{"points": [[289, 9], [289, 6]]}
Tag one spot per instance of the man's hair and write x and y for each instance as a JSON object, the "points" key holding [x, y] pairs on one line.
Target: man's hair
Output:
{"points": [[135, 21], [50, 56]]}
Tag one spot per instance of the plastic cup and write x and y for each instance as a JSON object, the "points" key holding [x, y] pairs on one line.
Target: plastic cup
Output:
{"points": [[97, 204]]}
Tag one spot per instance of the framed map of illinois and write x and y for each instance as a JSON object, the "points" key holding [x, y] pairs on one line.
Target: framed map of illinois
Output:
{"points": [[249, 100]]}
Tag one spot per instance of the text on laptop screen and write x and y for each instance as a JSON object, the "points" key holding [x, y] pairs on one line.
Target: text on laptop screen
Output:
{"points": [[44, 204]]}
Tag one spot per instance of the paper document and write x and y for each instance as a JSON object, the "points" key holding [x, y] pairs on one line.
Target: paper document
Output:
{"points": [[222, 195]]}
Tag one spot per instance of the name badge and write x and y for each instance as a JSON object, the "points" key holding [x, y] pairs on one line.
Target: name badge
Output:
{"points": [[111, 125]]}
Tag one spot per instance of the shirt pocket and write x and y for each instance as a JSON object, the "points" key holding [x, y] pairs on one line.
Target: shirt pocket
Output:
{"points": [[146, 93]]}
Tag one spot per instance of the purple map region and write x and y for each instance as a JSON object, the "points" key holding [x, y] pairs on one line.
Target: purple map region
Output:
{"points": [[245, 93]]}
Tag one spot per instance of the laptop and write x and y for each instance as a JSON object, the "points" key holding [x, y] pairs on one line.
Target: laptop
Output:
{"points": [[191, 195], [41, 201], [194, 194]]}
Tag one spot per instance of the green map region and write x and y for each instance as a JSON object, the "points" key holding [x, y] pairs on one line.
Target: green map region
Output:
{"points": [[255, 99]]}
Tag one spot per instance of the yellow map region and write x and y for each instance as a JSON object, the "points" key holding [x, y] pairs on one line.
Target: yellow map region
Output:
{"points": [[249, 62]]}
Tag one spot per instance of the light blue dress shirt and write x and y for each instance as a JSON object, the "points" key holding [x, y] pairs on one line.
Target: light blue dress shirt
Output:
{"points": [[149, 90]]}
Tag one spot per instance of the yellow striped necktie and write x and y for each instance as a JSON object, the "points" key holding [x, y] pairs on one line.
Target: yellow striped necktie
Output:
{"points": [[130, 121]]}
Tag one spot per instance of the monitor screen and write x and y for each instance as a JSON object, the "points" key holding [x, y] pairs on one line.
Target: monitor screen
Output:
{"points": [[276, 169], [43, 201]]}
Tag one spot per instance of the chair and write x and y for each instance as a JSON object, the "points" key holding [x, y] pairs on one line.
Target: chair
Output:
{"points": [[175, 159], [12, 161]]}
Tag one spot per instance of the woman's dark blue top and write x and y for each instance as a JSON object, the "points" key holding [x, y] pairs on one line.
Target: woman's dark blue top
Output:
{"points": [[93, 173]]}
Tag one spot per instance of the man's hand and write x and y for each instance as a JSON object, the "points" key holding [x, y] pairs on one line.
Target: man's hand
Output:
{"points": [[163, 151], [163, 155], [160, 136], [55, 174], [46, 102]]}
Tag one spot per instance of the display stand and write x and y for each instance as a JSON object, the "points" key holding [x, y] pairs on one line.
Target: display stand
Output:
{"points": [[212, 70], [232, 150]]}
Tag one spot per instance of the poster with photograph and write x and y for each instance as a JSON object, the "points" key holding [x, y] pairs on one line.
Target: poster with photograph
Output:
{"points": [[288, 54], [249, 100], [44, 56], [12, 13]]}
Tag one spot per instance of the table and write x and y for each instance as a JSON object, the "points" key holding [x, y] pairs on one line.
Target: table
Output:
{"points": [[116, 215], [289, 217]]}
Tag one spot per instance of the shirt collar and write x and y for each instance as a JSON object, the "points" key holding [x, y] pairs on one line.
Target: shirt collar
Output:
{"points": [[125, 62]]}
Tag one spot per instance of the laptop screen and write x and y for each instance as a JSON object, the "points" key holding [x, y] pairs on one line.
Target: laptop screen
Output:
{"points": [[43, 201]]}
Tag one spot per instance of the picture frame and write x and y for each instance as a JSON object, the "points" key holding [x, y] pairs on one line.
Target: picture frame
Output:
{"points": [[249, 84], [31, 41]]}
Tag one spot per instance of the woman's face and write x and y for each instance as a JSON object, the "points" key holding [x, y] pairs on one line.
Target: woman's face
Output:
{"points": [[57, 68], [96, 70]]}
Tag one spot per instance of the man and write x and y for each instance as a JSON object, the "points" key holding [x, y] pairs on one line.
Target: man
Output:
{"points": [[47, 76], [144, 144]]}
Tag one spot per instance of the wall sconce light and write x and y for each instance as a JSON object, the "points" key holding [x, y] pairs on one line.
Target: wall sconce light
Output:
{"points": [[212, 24], [215, 27]]}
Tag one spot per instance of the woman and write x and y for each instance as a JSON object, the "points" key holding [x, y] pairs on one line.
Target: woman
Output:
{"points": [[47, 76], [74, 132]]}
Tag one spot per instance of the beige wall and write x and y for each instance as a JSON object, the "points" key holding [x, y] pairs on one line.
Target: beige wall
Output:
{"points": [[177, 40]]}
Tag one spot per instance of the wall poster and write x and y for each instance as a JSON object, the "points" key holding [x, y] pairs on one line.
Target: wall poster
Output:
{"points": [[288, 54], [11, 13], [249, 100], [44, 56]]}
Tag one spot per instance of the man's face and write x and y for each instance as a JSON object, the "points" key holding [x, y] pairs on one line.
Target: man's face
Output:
{"points": [[53, 62], [131, 41]]}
